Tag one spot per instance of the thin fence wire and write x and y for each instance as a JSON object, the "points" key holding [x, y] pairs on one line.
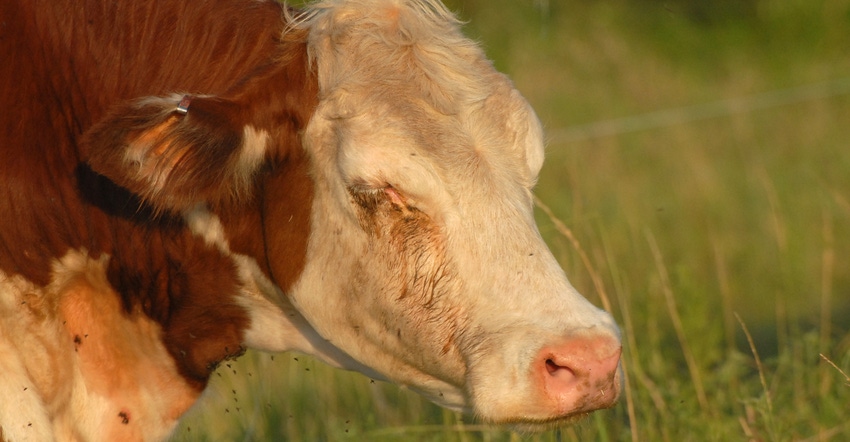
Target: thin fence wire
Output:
{"points": [[688, 114]]}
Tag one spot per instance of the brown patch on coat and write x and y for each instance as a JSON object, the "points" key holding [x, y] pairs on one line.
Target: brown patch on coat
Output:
{"points": [[188, 288]]}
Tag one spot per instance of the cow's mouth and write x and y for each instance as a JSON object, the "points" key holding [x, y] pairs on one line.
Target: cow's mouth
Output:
{"points": [[540, 425]]}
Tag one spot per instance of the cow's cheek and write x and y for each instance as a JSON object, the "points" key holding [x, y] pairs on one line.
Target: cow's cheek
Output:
{"points": [[357, 292], [376, 318], [416, 296]]}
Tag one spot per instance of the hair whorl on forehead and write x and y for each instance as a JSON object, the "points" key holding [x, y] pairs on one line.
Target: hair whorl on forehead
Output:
{"points": [[410, 48]]}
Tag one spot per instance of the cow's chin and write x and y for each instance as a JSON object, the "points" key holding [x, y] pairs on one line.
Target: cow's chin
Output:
{"points": [[537, 426], [520, 423], [538, 417]]}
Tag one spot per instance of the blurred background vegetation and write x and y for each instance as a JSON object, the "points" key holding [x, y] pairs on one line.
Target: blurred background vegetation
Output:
{"points": [[697, 184]]}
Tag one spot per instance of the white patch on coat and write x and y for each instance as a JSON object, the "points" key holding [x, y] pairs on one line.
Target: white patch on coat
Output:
{"points": [[23, 415], [252, 154]]}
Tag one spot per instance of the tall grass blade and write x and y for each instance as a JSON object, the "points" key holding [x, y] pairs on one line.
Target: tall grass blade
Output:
{"points": [[760, 369], [630, 352], [828, 361], [827, 270], [693, 369]]}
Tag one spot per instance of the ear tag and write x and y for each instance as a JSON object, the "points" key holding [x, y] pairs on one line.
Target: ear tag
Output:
{"points": [[183, 105]]}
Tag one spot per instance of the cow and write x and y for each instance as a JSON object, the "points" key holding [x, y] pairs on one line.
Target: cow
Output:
{"points": [[183, 180]]}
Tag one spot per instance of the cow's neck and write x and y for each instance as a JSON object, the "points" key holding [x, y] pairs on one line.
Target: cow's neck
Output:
{"points": [[273, 226], [273, 229]]}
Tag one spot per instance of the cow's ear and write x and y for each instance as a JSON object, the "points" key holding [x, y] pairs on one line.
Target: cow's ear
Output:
{"points": [[178, 151]]}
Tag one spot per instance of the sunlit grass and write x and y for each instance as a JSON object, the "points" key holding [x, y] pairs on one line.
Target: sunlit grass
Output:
{"points": [[721, 244]]}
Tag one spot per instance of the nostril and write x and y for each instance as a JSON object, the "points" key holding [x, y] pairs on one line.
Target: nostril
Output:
{"points": [[551, 366], [560, 371]]}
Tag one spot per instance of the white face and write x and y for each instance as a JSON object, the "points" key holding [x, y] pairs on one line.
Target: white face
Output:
{"points": [[424, 262]]}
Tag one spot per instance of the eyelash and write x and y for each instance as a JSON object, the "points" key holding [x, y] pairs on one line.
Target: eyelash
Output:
{"points": [[370, 197]]}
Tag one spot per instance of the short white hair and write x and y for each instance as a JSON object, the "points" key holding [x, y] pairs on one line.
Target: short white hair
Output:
{"points": [[412, 48]]}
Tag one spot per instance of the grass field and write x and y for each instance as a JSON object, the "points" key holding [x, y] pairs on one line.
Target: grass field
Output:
{"points": [[697, 184]]}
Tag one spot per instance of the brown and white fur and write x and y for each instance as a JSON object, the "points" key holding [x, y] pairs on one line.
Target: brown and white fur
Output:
{"points": [[352, 180]]}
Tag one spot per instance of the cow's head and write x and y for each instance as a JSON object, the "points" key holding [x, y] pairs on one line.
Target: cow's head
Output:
{"points": [[422, 264]]}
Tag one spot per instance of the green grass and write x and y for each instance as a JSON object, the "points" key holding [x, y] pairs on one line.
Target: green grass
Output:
{"points": [[720, 239]]}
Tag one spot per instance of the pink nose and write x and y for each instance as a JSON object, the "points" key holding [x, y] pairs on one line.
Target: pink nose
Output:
{"points": [[580, 375]]}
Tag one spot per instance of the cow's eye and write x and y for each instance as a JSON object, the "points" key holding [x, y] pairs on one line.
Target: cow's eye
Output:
{"points": [[395, 197], [368, 198], [372, 198]]}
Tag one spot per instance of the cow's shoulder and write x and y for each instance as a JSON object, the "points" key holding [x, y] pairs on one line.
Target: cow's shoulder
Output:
{"points": [[78, 363]]}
